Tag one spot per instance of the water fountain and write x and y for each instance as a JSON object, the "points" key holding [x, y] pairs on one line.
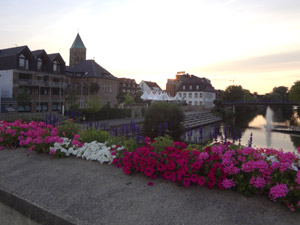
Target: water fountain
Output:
{"points": [[269, 119]]}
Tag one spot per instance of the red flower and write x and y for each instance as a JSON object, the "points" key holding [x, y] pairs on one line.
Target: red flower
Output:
{"points": [[201, 181], [168, 175], [149, 171], [150, 184], [126, 170], [186, 182]]}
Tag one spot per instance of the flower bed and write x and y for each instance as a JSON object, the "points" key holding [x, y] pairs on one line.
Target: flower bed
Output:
{"points": [[226, 166], [250, 171]]}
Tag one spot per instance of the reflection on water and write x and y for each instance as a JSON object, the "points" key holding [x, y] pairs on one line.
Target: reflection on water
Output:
{"points": [[262, 136]]}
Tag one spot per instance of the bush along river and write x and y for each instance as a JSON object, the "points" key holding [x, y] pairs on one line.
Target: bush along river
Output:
{"points": [[252, 129]]}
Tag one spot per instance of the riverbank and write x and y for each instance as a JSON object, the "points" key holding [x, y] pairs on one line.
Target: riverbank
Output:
{"points": [[83, 192]]}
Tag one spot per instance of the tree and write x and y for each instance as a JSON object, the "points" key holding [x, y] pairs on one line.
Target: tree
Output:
{"points": [[24, 97], [94, 88], [128, 99], [137, 97], [236, 93], [121, 97], [162, 116], [94, 104], [294, 93]]}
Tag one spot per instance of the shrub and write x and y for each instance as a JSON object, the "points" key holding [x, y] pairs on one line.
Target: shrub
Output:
{"points": [[93, 134], [164, 118], [68, 129]]}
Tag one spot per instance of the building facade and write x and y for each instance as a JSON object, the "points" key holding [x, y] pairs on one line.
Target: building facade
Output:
{"points": [[192, 89], [87, 73], [127, 85], [39, 74], [149, 86]]}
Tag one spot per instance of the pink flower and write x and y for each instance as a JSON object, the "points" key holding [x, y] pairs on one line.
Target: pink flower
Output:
{"points": [[228, 183], [76, 136], [258, 182], [278, 191], [203, 156], [298, 149], [52, 151]]}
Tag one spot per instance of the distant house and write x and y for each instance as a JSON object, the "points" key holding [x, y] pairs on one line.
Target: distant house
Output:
{"points": [[127, 85], [42, 75], [192, 89], [86, 72], [149, 86]]}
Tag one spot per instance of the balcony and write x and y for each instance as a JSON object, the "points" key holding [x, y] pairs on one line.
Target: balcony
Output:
{"points": [[28, 82]]}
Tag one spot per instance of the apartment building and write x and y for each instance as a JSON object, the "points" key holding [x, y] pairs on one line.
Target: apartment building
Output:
{"points": [[42, 75]]}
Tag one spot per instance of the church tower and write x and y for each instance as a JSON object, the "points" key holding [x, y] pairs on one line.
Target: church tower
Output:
{"points": [[77, 51]]}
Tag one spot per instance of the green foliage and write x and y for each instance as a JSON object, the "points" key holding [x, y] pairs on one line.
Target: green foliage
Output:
{"points": [[24, 97], [294, 94], [137, 97], [236, 93], [74, 107], [161, 142], [128, 99], [162, 113], [93, 134], [68, 129], [94, 105], [121, 97], [130, 144]]}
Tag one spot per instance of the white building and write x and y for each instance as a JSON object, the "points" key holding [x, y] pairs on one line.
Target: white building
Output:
{"points": [[196, 91], [149, 86]]}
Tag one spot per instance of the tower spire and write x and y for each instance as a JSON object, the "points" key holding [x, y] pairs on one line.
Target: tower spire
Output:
{"points": [[77, 51]]}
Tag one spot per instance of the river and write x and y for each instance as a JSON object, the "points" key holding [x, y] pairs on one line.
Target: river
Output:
{"points": [[243, 131]]}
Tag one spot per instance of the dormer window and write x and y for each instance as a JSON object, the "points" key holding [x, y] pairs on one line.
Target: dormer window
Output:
{"points": [[56, 66], [23, 62], [40, 64]]}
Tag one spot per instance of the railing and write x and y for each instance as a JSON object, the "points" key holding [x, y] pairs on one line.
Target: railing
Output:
{"points": [[261, 102], [29, 82]]}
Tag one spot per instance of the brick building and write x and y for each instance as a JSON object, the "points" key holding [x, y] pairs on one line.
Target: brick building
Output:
{"points": [[84, 73], [127, 85]]}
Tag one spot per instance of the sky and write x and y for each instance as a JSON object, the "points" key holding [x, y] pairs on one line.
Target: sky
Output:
{"points": [[252, 43]]}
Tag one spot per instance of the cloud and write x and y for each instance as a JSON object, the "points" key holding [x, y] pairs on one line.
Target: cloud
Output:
{"points": [[279, 61]]}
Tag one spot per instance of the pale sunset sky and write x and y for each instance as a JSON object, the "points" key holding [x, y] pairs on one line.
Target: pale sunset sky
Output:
{"points": [[256, 43]]}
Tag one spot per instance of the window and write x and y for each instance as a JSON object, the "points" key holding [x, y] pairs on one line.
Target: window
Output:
{"points": [[183, 87], [196, 95], [23, 62], [190, 95], [180, 95], [197, 87], [56, 66], [27, 108], [200, 95], [190, 102], [195, 103], [191, 87], [40, 64], [184, 95]]}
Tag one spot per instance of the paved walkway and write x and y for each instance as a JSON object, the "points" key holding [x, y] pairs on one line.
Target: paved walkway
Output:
{"points": [[75, 191]]}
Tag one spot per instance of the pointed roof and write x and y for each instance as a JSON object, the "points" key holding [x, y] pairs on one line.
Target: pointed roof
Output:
{"points": [[78, 42], [91, 69]]}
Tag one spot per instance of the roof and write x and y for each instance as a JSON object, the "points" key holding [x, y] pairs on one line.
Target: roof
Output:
{"points": [[90, 69], [152, 84], [12, 51], [78, 42]]}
